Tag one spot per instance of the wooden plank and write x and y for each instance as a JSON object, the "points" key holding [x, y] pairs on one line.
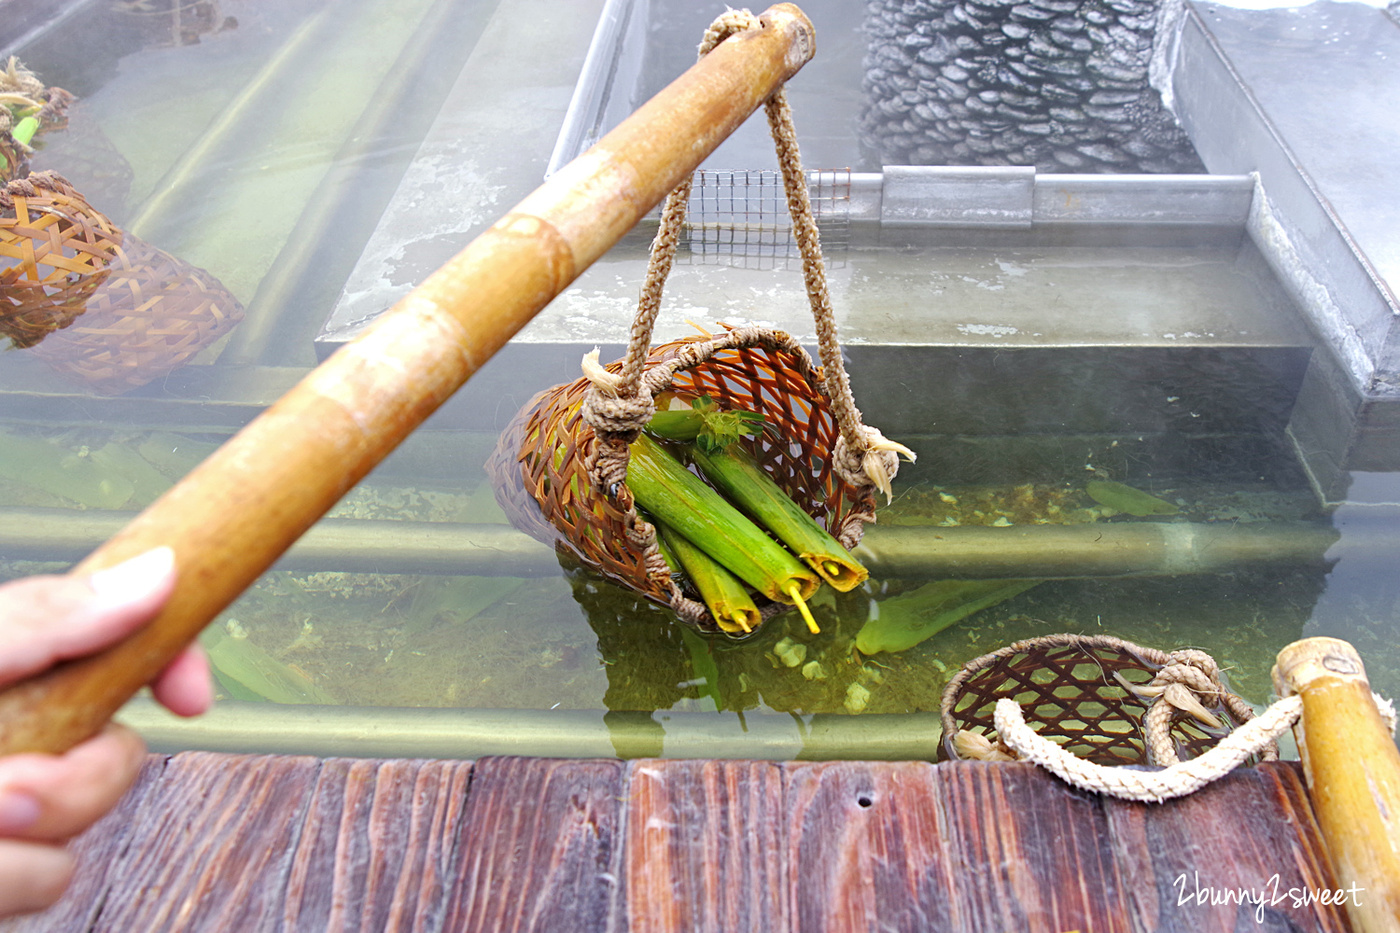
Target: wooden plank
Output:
{"points": [[1026, 851], [97, 853], [249, 843], [541, 847], [212, 845], [863, 848], [378, 838], [703, 849], [1187, 861], [1296, 838]]}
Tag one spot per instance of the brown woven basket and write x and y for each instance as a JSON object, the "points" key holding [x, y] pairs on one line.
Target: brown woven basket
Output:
{"points": [[149, 317], [55, 251], [560, 469], [111, 310], [1067, 689], [540, 467]]}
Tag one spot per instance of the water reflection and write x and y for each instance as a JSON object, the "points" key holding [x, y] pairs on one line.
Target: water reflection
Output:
{"points": [[1360, 601]]}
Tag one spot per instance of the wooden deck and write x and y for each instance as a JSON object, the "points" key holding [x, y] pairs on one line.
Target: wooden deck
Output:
{"points": [[253, 843]]}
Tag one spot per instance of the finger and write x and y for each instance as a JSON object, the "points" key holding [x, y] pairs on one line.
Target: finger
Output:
{"points": [[184, 687], [33, 876], [73, 790], [44, 620]]}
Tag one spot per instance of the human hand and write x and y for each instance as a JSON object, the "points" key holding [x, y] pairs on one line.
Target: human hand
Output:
{"points": [[47, 799]]}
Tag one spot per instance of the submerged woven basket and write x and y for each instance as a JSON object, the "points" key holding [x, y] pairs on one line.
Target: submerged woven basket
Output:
{"points": [[540, 467], [1067, 690], [110, 309], [55, 251]]}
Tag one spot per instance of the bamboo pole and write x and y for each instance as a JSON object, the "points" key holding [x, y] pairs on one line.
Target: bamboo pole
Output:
{"points": [[1353, 773], [232, 516]]}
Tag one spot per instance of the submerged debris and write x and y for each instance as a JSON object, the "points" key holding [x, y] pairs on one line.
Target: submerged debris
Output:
{"points": [[857, 696], [1026, 504]]}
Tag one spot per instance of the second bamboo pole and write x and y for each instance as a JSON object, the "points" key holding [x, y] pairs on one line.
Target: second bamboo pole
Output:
{"points": [[1353, 772]]}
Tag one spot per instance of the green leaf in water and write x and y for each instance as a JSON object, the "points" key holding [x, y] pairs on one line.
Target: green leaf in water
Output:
{"points": [[703, 666], [248, 672], [174, 455], [146, 481], [459, 598], [903, 621], [62, 471], [1127, 499]]}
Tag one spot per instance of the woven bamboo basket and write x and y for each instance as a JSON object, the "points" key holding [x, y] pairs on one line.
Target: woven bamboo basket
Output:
{"points": [[56, 250], [1070, 691], [111, 310], [149, 317], [541, 465]]}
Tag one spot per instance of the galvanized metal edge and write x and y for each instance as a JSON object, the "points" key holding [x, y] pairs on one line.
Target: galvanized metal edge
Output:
{"points": [[1295, 227], [601, 72], [1018, 197]]}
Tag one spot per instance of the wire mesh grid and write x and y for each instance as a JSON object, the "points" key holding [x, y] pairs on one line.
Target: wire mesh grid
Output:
{"points": [[740, 218]]}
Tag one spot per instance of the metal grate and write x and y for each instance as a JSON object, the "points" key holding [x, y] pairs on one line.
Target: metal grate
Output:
{"points": [[741, 219]]}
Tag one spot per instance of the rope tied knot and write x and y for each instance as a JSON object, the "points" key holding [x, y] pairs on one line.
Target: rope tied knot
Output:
{"points": [[617, 415], [875, 464], [606, 409], [1188, 684]]}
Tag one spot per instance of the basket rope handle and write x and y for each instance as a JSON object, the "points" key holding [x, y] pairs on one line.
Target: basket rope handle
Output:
{"points": [[1176, 780], [1185, 678], [618, 403]]}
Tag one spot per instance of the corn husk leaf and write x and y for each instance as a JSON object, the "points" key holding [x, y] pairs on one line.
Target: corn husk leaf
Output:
{"points": [[666, 489], [728, 600], [745, 483], [705, 424]]}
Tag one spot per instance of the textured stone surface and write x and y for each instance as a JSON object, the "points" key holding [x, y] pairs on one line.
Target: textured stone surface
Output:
{"points": [[1061, 85]]}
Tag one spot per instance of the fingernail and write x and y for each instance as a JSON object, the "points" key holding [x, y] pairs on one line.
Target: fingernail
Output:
{"points": [[18, 812], [134, 578]]}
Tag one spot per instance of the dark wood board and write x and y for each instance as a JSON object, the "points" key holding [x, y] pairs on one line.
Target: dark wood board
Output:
{"points": [[703, 848], [539, 847], [865, 848], [1186, 861], [97, 852], [1028, 853], [391, 830], [243, 843]]}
